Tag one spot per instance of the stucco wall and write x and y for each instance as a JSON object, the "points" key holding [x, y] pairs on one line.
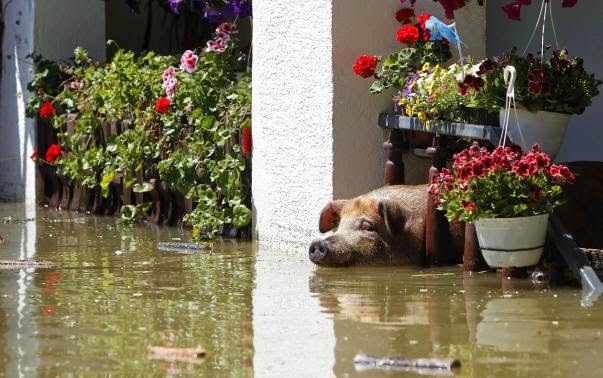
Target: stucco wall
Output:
{"points": [[17, 136], [292, 117], [580, 30], [314, 122], [63, 25]]}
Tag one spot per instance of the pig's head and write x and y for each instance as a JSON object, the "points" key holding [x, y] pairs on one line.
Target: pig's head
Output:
{"points": [[368, 231]]}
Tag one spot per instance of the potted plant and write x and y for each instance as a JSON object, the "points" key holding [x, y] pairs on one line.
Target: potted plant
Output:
{"points": [[509, 196], [547, 92]]}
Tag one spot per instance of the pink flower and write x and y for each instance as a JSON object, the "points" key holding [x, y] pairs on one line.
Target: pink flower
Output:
{"points": [[217, 45], [227, 28], [188, 62], [168, 74], [170, 87], [222, 35]]}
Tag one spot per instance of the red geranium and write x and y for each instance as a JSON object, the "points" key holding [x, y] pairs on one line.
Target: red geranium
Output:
{"points": [[53, 152], [34, 154], [162, 105], [404, 14], [408, 34], [422, 18], [47, 110], [365, 66], [499, 184]]}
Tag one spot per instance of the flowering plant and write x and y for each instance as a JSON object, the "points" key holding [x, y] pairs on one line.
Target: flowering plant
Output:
{"points": [[182, 118], [499, 184], [558, 84], [432, 93], [424, 43]]}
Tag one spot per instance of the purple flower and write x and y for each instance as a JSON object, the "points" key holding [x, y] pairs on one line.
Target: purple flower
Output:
{"points": [[212, 14], [237, 8], [175, 6]]}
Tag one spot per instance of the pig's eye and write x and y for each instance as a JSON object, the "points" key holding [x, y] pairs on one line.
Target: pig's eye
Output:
{"points": [[367, 226]]}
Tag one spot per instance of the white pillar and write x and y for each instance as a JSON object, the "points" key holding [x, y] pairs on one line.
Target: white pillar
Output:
{"points": [[314, 121], [17, 135]]}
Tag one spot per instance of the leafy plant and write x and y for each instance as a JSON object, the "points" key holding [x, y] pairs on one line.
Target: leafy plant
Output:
{"points": [[179, 124]]}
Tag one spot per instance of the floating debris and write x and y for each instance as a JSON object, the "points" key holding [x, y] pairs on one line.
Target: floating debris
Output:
{"points": [[1, 240], [189, 248], [9, 219], [190, 355], [26, 264], [428, 365]]}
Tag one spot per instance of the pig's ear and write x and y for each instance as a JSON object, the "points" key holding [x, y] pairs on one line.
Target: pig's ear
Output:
{"points": [[330, 215], [397, 219]]}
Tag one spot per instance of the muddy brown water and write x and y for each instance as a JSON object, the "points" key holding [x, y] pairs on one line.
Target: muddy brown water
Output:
{"points": [[266, 312]]}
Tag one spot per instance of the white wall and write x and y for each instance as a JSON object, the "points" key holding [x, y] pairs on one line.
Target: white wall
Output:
{"points": [[314, 122], [63, 25], [292, 117], [580, 30], [17, 135]]}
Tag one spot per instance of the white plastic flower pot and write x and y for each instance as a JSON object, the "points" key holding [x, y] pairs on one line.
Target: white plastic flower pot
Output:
{"points": [[544, 128], [512, 242]]}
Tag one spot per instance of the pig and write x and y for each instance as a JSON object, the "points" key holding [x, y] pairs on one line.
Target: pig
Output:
{"points": [[383, 227]]}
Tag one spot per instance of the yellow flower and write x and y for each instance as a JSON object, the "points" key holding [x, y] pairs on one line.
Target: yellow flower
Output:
{"points": [[426, 66], [422, 116], [409, 111]]}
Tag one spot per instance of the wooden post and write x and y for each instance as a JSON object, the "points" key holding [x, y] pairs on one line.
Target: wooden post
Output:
{"points": [[473, 260], [436, 225], [394, 166], [156, 200]]}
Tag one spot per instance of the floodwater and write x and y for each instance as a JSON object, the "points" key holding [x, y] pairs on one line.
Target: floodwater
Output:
{"points": [[264, 312]]}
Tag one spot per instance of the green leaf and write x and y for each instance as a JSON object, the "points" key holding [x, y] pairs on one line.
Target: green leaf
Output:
{"points": [[142, 188], [105, 182]]}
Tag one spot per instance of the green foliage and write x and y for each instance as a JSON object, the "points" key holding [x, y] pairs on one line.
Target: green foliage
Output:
{"points": [[193, 147]]}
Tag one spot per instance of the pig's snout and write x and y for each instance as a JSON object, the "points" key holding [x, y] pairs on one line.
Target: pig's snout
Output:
{"points": [[319, 250]]}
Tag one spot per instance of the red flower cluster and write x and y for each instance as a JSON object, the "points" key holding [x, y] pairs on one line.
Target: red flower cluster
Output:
{"points": [[53, 152], [405, 14], [162, 106], [470, 82], [535, 169], [365, 66], [408, 34], [47, 110]]}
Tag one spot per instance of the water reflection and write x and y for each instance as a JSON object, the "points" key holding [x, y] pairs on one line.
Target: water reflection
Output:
{"points": [[444, 314], [264, 311], [114, 294]]}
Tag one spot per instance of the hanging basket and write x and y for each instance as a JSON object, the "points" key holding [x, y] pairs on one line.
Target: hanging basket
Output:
{"points": [[544, 128], [512, 242]]}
